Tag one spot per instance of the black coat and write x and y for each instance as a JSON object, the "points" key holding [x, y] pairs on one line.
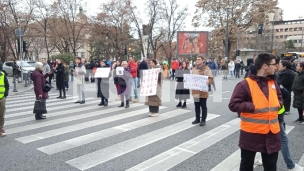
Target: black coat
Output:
{"points": [[60, 76], [103, 86], [181, 93], [286, 78], [297, 88]]}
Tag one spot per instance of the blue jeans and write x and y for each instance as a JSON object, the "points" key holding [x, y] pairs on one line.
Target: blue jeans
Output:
{"points": [[285, 149], [134, 86], [232, 74], [138, 82]]}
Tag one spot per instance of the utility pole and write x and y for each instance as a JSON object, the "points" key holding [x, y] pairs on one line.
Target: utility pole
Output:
{"points": [[227, 35]]}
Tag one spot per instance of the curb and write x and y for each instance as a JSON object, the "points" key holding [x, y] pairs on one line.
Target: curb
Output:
{"points": [[21, 90]]}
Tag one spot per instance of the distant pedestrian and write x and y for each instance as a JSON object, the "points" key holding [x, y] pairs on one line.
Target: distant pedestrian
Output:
{"points": [[103, 87], [4, 89], [79, 74], [124, 88], [60, 79], [231, 68], [67, 76], [182, 94]]}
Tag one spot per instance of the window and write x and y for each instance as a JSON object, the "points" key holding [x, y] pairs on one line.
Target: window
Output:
{"points": [[82, 54], [295, 41], [300, 41], [286, 30]]}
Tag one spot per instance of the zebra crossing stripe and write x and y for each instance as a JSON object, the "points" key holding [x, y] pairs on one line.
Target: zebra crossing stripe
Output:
{"points": [[17, 100], [13, 98], [63, 120], [82, 108], [33, 100], [72, 128], [49, 109], [98, 157], [96, 136], [30, 107], [232, 163], [182, 152]]}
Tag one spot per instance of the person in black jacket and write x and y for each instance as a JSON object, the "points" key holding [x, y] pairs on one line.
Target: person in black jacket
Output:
{"points": [[286, 77], [237, 69], [103, 87], [181, 93], [60, 78], [142, 66], [247, 69]]}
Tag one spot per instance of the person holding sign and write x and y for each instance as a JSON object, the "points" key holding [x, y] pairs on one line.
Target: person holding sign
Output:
{"points": [[181, 93], [154, 101], [200, 97], [103, 87], [124, 81]]}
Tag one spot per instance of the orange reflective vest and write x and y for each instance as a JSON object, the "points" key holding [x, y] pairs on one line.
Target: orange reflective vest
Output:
{"points": [[265, 116]]}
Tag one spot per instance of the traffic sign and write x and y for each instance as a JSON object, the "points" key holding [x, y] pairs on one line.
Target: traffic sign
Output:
{"points": [[19, 32]]}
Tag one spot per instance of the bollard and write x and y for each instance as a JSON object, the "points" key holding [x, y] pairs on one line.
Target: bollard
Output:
{"points": [[14, 78]]}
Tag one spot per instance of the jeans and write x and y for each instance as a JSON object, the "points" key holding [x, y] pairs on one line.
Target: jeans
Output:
{"points": [[134, 86], [138, 82], [200, 105], [80, 90], [2, 111], [269, 160], [231, 74], [285, 149], [237, 73]]}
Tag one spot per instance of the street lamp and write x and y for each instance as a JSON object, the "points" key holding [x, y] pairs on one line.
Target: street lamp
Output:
{"points": [[271, 18], [227, 35]]}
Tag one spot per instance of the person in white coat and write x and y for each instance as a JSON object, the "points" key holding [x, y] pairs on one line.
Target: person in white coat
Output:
{"points": [[231, 68], [79, 74]]}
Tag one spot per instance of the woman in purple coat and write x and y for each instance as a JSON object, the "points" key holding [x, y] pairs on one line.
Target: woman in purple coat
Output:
{"points": [[39, 80], [124, 88]]}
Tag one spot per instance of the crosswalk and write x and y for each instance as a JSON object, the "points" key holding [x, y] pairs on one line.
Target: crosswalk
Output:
{"points": [[91, 137]]}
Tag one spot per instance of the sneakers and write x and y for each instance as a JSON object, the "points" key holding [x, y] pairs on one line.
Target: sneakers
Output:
{"points": [[2, 133], [150, 114], [296, 168], [135, 100], [154, 114], [258, 162], [287, 113], [301, 123]]}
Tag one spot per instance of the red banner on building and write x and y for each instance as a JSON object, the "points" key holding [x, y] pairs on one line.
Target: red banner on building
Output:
{"points": [[192, 42]]}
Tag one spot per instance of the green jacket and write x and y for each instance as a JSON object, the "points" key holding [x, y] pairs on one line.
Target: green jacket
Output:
{"points": [[67, 74]]}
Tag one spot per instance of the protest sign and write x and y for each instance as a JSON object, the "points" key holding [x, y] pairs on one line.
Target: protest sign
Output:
{"points": [[149, 82], [102, 72], [119, 70], [196, 82]]}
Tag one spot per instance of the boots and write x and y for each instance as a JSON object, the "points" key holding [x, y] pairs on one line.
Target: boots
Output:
{"points": [[60, 95], [39, 116], [122, 104], [179, 104], [127, 104], [63, 97], [184, 105]]}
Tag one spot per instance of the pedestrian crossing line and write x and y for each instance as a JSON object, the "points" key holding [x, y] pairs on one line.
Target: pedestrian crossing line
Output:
{"points": [[232, 163], [72, 128], [33, 100], [30, 112], [61, 113], [26, 96], [62, 102], [174, 156], [98, 157], [99, 135], [63, 120]]}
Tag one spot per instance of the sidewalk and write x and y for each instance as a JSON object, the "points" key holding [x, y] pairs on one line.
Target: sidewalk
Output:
{"points": [[19, 86]]}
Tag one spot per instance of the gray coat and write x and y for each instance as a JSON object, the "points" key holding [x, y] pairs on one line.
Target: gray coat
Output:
{"points": [[155, 100]]}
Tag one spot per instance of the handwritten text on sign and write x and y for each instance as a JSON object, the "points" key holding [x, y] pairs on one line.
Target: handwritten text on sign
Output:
{"points": [[196, 82], [149, 82]]}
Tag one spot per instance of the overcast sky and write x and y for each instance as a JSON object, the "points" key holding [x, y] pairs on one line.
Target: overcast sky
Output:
{"points": [[292, 9]]}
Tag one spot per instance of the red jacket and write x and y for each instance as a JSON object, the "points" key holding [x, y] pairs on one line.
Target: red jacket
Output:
{"points": [[174, 65], [133, 67]]}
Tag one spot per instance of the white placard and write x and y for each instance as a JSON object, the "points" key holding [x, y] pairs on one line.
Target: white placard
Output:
{"points": [[149, 82], [119, 70], [102, 72], [196, 82]]}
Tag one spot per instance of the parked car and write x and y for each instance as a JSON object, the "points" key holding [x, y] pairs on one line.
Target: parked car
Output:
{"points": [[26, 66]]}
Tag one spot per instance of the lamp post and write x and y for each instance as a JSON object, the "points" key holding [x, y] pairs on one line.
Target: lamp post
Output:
{"points": [[227, 35], [271, 18]]}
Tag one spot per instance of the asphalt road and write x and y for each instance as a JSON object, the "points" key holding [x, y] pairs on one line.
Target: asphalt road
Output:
{"points": [[88, 137]]}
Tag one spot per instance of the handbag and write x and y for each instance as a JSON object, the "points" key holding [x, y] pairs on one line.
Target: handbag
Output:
{"points": [[40, 107], [46, 87]]}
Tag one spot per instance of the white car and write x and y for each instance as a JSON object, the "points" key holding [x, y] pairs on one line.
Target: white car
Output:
{"points": [[26, 67]]}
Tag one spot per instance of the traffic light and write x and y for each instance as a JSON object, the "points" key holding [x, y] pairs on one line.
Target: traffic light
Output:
{"points": [[18, 46], [260, 29], [238, 52], [25, 48]]}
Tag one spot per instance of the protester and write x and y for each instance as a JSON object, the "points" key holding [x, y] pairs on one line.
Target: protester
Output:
{"points": [[133, 68], [125, 85], [103, 87], [60, 79], [182, 94], [79, 74]]}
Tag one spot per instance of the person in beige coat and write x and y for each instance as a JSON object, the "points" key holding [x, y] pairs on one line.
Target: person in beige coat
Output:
{"points": [[155, 101], [200, 97]]}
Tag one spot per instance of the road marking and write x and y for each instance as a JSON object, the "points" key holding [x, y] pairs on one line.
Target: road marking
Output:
{"points": [[232, 163], [62, 112], [76, 127], [8, 115], [63, 120], [89, 138], [182, 152], [98, 157]]}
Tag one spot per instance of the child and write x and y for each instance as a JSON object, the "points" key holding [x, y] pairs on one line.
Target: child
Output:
{"points": [[67, 77]]}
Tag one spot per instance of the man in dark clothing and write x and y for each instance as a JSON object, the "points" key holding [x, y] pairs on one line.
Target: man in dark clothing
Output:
{"points": [[237, 69], [4, 89], [258, 134], [16, 70], [142, 66]]}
